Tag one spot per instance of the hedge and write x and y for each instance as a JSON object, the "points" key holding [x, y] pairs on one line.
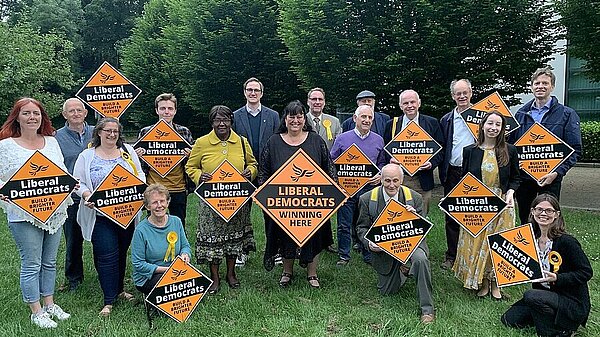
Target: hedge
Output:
{"points": [[590, 136]]}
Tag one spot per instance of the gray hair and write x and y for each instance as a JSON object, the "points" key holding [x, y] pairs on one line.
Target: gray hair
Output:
{"points": [[361, 107], [453, 83]]}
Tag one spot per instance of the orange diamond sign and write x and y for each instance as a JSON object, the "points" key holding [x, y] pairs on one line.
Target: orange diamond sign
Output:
{"points": [[472, 204], [39, 187], [494, 101], [398, 231], [120, 196], [540, 151], [354, 169], [164, 148], [226, 192], [412, 147], [108, 91], [515, 257], [300, 197], [179, 290]]}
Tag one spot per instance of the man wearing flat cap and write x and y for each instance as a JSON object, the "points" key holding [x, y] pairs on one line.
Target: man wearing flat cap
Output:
{"points": [[380, 119]]}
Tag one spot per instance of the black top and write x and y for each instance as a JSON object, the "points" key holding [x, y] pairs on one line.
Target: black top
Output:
{"points": [[509, 174], [274, 155]]}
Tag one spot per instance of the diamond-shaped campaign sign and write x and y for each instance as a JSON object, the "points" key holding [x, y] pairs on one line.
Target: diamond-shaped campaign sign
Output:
{"points": [[179, 290], [412, 147], [39, 187], [354, 169], [226, 192], [540, 151], [515, 256], [164, 148], [108, 91], [398, 231], [474, 114], [300, 197], [472, 204], [120, 196]]}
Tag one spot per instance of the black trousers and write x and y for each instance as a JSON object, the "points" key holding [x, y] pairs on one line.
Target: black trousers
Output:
{"points": [[149, 285], [452, 227], [528, 190], [537, 308], [178, 205]]}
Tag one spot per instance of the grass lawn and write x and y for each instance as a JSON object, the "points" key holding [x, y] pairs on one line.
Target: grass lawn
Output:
{"points": [[346, 305]]}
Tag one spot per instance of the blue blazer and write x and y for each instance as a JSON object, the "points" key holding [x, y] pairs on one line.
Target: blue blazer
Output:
{"points": [[379, 122], [268, 126]]}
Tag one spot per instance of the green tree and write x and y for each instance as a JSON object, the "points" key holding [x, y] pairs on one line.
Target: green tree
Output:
{"points": [[582, 20], [387, 46], [107, 23], [204, 56], [35, 65]]}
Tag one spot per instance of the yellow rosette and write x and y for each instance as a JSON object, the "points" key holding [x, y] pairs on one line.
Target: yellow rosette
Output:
{"points": [[327, 125], [555, 260], [170, 254]]}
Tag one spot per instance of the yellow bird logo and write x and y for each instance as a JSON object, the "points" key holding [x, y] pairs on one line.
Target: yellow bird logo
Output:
{"points": [[160, 134], [106, 77], [520, 239], [411, 134], [176, 273], [117, 180], [392, 215], [224, 174], [533, 137], [35, 169], [468, 188], [299, 173], [491, 105], [351, 157]]}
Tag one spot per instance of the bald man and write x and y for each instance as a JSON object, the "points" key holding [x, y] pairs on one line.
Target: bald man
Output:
{"points": [[73, 138], [390, 277]]}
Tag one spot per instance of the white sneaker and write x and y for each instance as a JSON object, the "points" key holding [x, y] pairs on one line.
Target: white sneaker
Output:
{"points": [[278, 260], [56, 312], [241, 260], [43, 320]]}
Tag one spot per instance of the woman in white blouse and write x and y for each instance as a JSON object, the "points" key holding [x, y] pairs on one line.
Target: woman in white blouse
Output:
{"points": [[26, 130]]}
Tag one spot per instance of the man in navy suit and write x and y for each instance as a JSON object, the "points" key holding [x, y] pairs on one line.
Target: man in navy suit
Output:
{"points": [[255, 122], [456, 137], [380, 119], [422, 181]]}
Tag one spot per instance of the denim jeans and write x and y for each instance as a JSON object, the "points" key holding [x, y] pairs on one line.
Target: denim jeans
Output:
{"points": [[73, 246], [110, 244], [38, 250], [344, 227]]}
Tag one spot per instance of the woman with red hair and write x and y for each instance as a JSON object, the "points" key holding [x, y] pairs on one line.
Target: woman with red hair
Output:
{"points": [[28, 129]]}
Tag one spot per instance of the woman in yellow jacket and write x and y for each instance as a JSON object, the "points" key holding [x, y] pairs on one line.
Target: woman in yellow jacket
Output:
{"points": [[215, 238]]}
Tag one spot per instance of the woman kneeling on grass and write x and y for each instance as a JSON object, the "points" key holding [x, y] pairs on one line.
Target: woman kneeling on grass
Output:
{"points": [[150, 253], [560, 302]]}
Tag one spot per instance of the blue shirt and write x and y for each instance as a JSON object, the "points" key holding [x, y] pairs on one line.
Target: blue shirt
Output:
{"points": [[149, 245], [538, 113], [72, 143]]}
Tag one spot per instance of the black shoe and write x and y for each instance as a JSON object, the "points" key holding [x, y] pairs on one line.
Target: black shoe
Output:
{"points": [[284, 283]]}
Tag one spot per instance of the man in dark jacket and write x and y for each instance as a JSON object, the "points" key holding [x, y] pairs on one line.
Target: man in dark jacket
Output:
{"points": [[380, 119], [562, 121], [456, 137]]}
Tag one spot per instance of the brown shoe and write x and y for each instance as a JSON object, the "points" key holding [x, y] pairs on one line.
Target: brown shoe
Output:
{"points": [[427, 318]]}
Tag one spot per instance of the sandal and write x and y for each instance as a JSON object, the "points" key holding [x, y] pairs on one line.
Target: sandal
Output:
{"points": [[284, 283], [105, 312], [315, 281], [127, 296]]}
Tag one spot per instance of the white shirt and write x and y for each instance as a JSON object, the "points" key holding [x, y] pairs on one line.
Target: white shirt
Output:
{"points": [[254, 113], [360, 135], [387, 198], [460, 138]]}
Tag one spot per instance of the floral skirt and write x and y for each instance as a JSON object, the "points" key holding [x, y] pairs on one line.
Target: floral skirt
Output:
{"points": [[217, 239]]}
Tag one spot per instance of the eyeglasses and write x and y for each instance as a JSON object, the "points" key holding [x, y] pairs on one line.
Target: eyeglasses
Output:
{"points": [[539, 210], [251, 90], [318, 99], [72, 111], [218, 121], [110, 132]]}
